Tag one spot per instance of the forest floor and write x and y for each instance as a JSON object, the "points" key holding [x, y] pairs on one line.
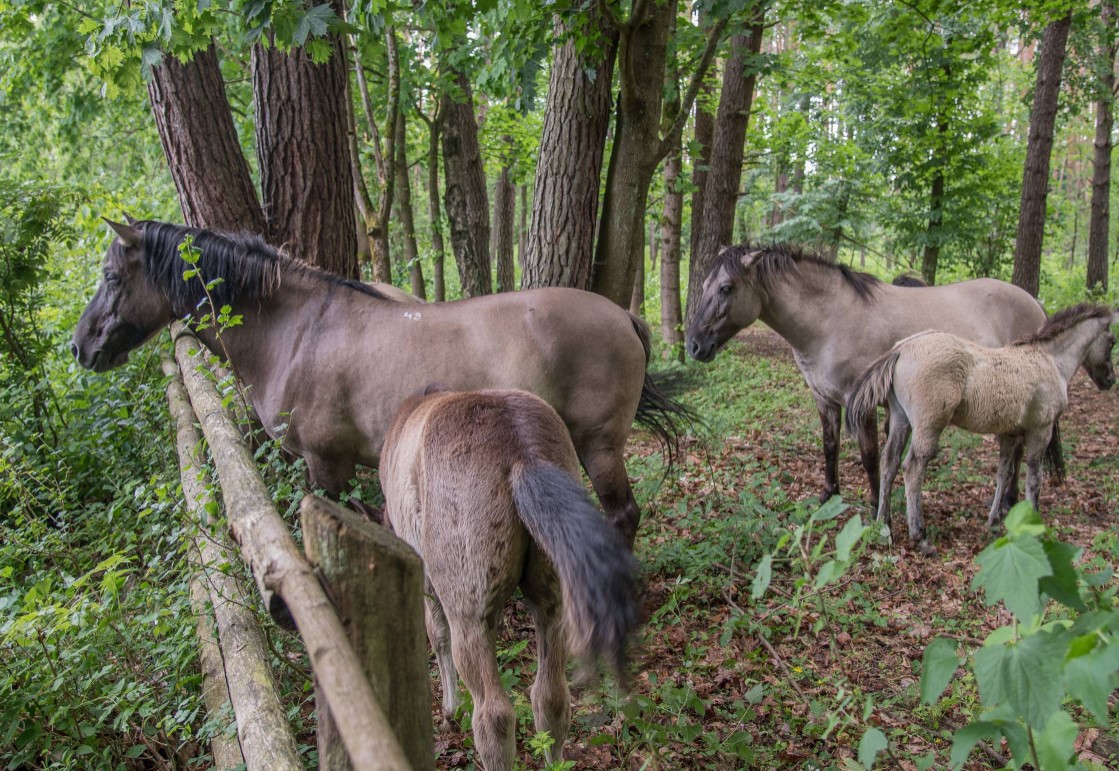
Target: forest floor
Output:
{"points": [[793, 679]]}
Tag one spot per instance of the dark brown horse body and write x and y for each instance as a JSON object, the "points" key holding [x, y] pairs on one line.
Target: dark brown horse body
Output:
{"points": [[486, 487], [332, 359]]}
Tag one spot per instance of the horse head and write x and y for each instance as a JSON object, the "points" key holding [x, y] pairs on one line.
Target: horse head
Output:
{"points": [[729, 301], [125, 311], [1097, 362]]}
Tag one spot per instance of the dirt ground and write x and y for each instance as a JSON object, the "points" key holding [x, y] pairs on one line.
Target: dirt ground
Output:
{"points": [[715, 691]]}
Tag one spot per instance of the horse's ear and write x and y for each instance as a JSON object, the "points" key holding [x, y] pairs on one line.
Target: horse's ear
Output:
{"points": [[127, 233], [130, 219]]}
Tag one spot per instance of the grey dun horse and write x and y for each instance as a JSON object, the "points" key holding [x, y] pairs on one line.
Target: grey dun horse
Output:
{"points": [[1018, 392], [838, 321], [334, 359], [486, 487]]}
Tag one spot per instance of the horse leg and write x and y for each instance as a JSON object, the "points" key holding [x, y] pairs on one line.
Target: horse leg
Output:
{"points": [[607, 472], [1010, 494], [474, 646], [439, 633], [333, 475], [868, 452], [1035, 444], [891, 461], [1008, 451], [921, 452], [551, 699], [829, 421]]}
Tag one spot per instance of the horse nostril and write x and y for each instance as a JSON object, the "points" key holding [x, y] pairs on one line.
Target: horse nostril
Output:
{"points": [[74, 350]]}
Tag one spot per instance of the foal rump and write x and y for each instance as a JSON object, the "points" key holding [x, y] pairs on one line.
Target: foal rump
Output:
{"points": [[871, 390]]}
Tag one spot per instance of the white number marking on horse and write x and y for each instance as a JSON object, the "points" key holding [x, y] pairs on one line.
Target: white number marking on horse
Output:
{"points": [[413, 315]]}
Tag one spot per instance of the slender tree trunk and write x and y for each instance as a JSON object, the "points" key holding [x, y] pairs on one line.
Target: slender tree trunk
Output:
{"points": [[200, 141], [504, 213], [672, 321], [642, 47], [405, 213], [637, 297], [935, 229], [654, 244], [522, 229], [434, 210], [305, 171], [721, 188], [1099, 226], [465, 193], [701, 165], [1035, 179], [365, 230], [560, 243]]}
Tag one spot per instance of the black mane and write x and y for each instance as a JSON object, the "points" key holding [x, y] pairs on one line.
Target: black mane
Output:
{"points": [[248, 268], [777, 260], [1063, 320]]}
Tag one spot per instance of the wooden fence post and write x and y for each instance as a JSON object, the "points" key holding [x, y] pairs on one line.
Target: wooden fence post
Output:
{"points": [[375, 581]]}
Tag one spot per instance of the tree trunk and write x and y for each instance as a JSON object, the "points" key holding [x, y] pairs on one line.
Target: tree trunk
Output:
{"points": [[654, 243], [560, 243], [504, 213], [303, 150], [366, 226], [721, 188], [642, 47], [672, 323], [200, 141], [1099, 225], [935, 229], [434, 210], [465, 193], [701, 165], [1035, 179], [637, 296], [522, 228], [404, 211]]}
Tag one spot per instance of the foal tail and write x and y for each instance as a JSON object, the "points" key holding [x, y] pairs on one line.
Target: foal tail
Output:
{"points": [[871, 390], [597, 573], [1054, 455], [657, 412]]}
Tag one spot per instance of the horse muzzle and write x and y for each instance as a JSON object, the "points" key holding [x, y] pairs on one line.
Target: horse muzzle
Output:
{"points": [[701, 351]]}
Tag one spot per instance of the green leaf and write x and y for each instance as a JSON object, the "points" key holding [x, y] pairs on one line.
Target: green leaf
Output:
{"points": [[873, 742], [830, 510], [314, 23], [1022, 520], [1063, 586], [1010, 570], [1056, 744], [848, 537], [762, 577], [829, 571], [939, 665], [1089, 679], [964, 741], [1025, 676]]}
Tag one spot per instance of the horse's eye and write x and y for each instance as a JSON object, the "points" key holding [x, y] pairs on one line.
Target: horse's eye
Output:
{"points": [[111, 278], [726, 289]]}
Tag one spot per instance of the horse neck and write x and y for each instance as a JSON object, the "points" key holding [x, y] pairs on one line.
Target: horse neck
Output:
{"points": [[1069, 348], [801, 304]]}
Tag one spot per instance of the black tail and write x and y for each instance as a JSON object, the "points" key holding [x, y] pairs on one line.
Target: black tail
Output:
{"points": [[597, 573], [658, 413], [1054, 456]]}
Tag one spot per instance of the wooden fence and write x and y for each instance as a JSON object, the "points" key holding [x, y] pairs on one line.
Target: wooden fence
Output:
{"points": [[355, 598]]}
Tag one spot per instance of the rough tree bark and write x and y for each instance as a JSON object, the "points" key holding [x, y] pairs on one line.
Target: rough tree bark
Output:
{"points": [[434, 210], [304, 158], [1099, 225], [404, 211], [465, 188], [669, 235], [200, 141], [704, 135], [504, 213], [725, 172], [560, 243], [1035, 178]]}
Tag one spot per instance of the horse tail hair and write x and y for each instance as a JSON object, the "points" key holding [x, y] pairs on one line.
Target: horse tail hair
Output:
{"points": [[657, 412], [871, 390], [1055, 456], [597, 573]]}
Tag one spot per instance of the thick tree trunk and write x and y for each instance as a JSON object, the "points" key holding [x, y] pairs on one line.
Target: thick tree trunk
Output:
{"points": [[434, 210], [303, 150], [504, 213], [405, 213], [725, 174], [560, 244], [672, 322], [1035, 179], [642, 46], [701, 165], [1099, 227], [200, 141], [465, 189]]}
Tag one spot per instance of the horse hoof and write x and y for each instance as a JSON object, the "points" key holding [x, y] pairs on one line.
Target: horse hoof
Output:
{"points": [[447, 726]]}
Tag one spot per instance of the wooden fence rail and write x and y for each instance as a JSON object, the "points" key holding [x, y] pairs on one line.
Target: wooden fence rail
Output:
{"points": [[358, 560]]}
